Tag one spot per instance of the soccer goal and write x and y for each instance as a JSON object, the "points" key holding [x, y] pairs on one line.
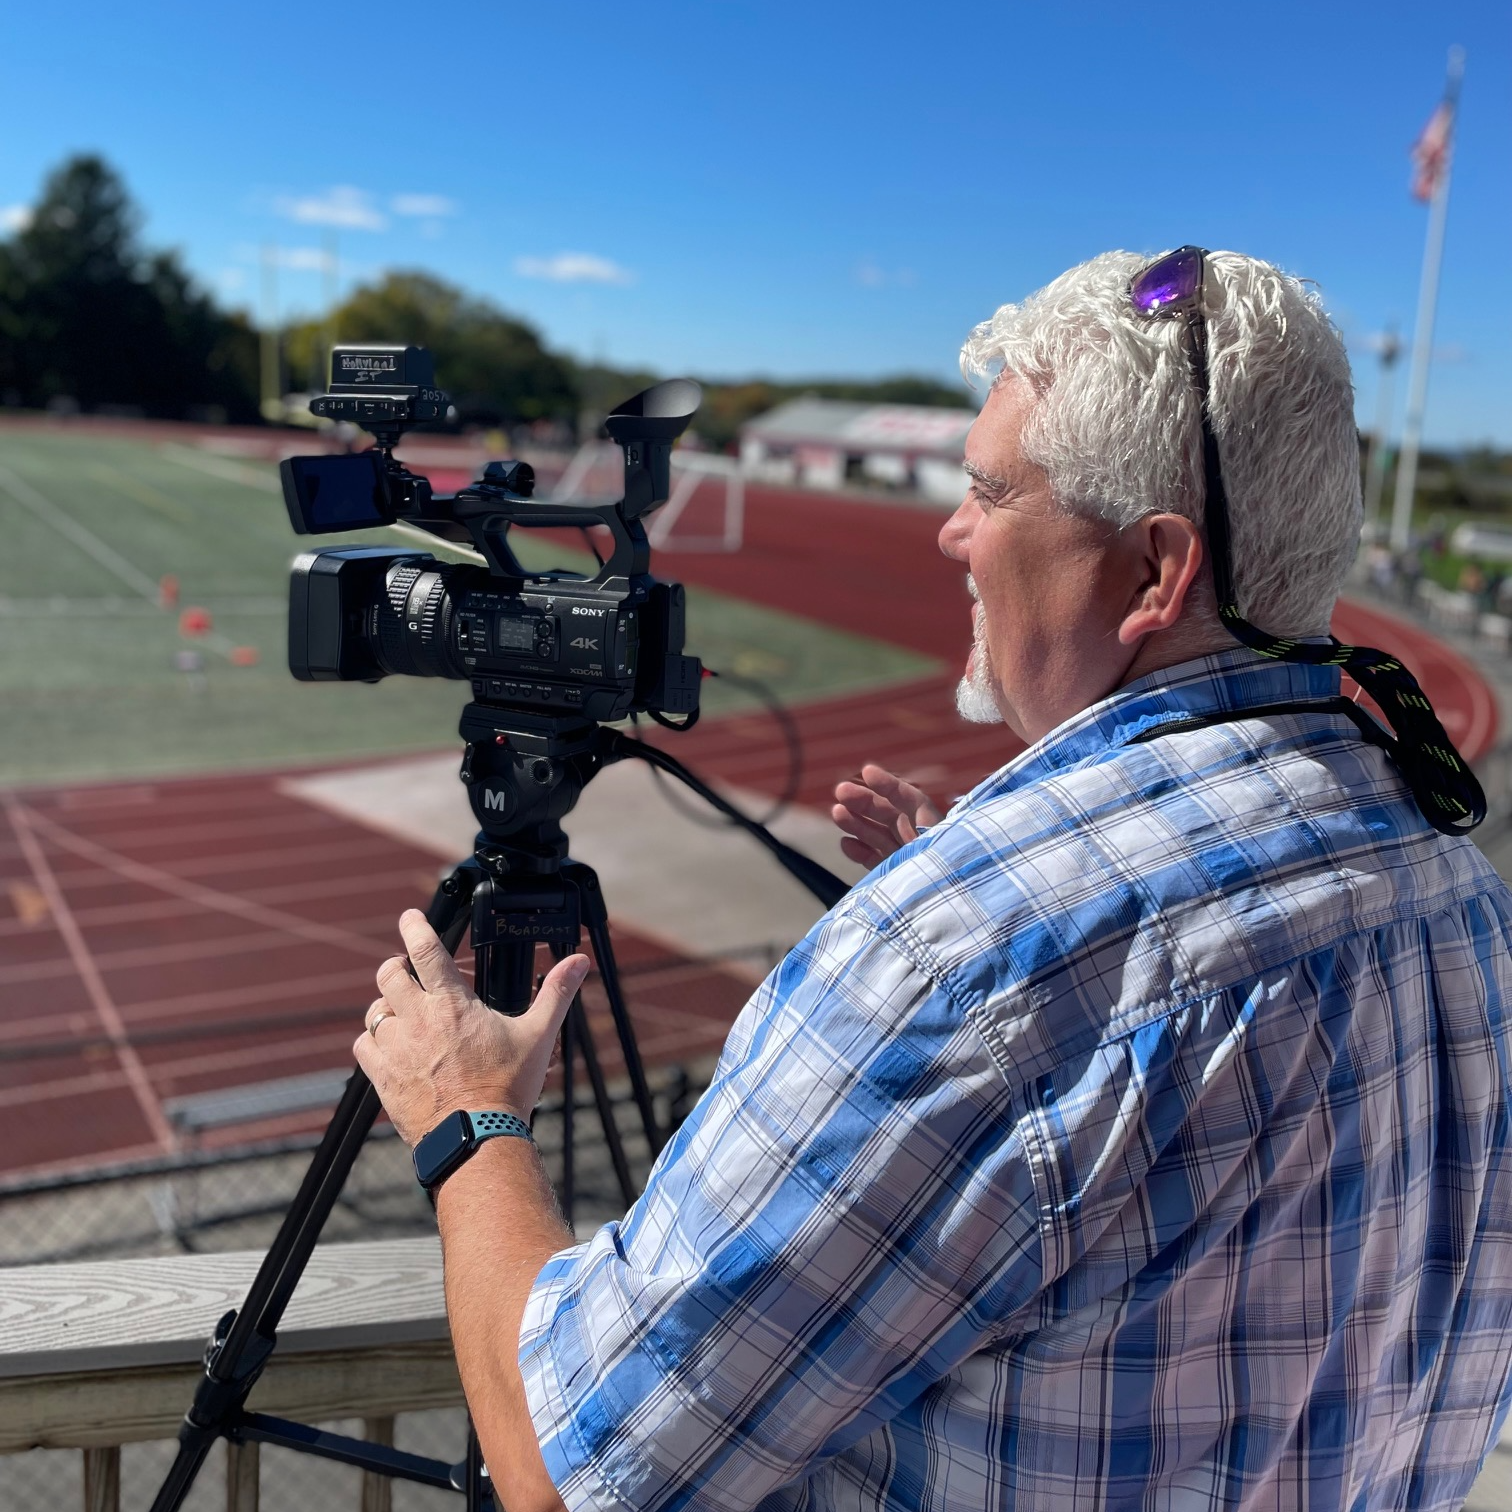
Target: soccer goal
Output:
{"points": [[597, 472]]}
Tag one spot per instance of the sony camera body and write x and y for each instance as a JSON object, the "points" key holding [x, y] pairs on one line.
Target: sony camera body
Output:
{"points": [[601, 647]]}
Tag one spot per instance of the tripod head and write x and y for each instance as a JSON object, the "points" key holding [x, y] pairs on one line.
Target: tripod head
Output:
{"points": [[524, 772]]}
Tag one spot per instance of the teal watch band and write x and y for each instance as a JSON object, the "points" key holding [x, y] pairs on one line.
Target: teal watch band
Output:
{"points": [[456, 1137], [493, 1123]]}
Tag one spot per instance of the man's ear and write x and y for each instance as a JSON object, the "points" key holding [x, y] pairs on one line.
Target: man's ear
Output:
{"points": [[1166, 555]]}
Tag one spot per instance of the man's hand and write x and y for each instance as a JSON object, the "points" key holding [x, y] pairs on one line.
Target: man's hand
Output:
{"points": [[880, 814], [432, 1047]]}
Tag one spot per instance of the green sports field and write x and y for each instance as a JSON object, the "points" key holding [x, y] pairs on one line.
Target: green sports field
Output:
{"points": [[90, 665]]}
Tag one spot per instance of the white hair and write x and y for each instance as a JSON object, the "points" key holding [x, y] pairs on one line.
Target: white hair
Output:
{"points": [[1116, 424]]}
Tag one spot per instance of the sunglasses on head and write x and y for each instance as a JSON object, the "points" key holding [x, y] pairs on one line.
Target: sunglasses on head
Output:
{"points": [[1171, 288]]}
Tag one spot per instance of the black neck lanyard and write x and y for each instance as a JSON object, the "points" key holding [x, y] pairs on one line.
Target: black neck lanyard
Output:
{"points": [[1368, 728]]}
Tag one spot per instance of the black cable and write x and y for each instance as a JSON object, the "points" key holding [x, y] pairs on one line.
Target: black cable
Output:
{"points": [[672, 724], [794, 741], [824, 884]]}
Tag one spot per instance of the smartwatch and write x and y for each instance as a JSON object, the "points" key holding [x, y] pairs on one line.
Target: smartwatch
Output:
{"points": [[446, 1146]]}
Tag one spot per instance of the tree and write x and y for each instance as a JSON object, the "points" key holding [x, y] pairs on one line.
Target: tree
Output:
{"points": [[84, 313], [493, 366]]}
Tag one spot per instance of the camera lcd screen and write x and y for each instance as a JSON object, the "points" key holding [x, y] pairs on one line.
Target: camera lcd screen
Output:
{"points": [[516, 634], [335, 493]]}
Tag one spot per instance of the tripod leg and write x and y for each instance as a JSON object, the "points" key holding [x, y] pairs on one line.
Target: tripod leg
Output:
{"points": [[582, 1036], [479, 1488], [596, 922], [244, 1339]]}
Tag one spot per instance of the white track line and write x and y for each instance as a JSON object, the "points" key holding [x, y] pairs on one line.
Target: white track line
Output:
{"points": [[211, 898], [148, 957], [416, 880], [337, 857], [89, 974], [156, 1015], [221, 467]]}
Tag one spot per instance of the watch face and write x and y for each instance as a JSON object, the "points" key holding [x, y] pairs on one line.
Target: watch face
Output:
{"points": [[443, 1149]]}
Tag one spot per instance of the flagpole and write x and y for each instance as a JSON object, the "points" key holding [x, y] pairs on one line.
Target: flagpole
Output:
{"points": [[1422, 340], [1375, 465]]}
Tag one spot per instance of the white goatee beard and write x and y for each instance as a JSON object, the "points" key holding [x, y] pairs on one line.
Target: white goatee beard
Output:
{"points": [[975, 701]]}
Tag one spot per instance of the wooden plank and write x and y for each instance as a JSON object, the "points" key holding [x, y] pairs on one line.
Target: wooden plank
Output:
{"points": [[243, 1466], [127, 1314], [102, 1480], [102, 1408], [378, 1490]]}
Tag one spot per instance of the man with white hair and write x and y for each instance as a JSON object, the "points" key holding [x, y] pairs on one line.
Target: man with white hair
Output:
{"points": [[1136, 1134]]}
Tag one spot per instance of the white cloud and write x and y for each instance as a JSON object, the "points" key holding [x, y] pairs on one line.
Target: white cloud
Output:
{"points": [[15, 217], [343, 206], [231, 279], [424, 206], [871, 276], [573, 267], [303, 259]]}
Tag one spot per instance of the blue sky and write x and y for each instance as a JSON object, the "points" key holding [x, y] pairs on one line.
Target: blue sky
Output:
{"points": [[830, 188]]}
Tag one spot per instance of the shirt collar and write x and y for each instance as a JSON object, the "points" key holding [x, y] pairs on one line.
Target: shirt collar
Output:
{"points": [[1224, 682]]}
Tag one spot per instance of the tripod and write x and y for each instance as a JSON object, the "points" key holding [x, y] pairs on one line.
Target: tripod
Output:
{"points": [[524, 771]]}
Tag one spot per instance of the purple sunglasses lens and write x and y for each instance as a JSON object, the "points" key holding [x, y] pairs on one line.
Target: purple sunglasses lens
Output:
{"points": [[1173, 280]]}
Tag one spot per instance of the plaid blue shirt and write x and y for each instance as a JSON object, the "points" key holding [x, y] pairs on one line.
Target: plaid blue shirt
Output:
{"points": [[1137, 1138]]}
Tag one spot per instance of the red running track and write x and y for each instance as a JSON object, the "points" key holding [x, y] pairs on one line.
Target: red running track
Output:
{"points": [[876, 568], [162, 939], [165, 939]]}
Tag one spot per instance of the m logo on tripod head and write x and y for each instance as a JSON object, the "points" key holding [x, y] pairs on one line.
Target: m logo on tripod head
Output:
{"points": [[496, 798]]}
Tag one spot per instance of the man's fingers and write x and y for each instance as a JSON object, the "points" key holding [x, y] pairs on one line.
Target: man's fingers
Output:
{"points": [[396, 984], [912, 800], [556, 994], [432, 962], [363, 1051], [902, 795], [866, 806], [860, 852], [879, 836]]}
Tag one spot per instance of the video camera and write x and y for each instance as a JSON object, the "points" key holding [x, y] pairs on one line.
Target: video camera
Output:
{"points": [[601, 647]]}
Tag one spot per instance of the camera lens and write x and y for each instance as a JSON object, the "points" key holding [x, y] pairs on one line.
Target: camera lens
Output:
{"points": [[411, 620]]}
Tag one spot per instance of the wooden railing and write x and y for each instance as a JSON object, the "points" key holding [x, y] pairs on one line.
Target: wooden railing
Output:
{"points": [[99, 1355]]}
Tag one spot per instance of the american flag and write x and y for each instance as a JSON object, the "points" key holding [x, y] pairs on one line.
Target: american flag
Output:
{"points": [[1430, 153]]}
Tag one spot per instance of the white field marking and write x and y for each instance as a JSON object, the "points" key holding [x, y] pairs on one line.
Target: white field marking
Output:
{"points": [[116, 608], [286, 858], [89, 974], [143, 492], [415, 879], [157, 1015], [209, 897], [262, 1054], [220, 467], [145, 957], [78, 535], [87, 1162], [238, 472]]}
